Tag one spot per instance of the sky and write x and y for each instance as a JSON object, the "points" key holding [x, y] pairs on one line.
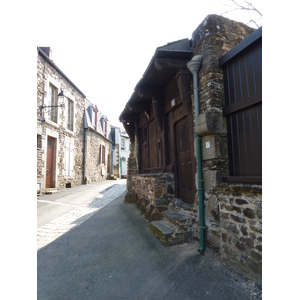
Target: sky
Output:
{"points": [[105, 47]]}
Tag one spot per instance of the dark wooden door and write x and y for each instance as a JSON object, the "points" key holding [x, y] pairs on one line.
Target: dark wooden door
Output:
{"points": [[184, 166], [49, 164]]}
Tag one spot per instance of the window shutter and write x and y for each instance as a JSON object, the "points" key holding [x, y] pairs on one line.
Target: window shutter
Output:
{"points": [[67, 159], [71, 163], [103, 154], [100, 158]]}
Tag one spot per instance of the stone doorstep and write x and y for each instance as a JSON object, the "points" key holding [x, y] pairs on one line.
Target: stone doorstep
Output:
{"points": [[172, 229], [176, 218], [183, 205], [50, 191], [160, 228], [164, 231], [112, 177]]}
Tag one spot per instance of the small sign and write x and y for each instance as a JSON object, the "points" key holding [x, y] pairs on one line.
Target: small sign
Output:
{"points": [[173, 102], [207, 144]]}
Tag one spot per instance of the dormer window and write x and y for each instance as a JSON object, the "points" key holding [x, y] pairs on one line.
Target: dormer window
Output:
{"points": [[104, 125], [94, 118]]}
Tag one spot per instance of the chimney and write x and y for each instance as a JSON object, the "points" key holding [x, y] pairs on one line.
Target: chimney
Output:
{"points": [[47, 51]]}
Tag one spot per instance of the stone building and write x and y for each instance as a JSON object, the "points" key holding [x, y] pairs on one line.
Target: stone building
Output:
{"points": [[120, 152], [191, 127], [116, 149], [98, 146], [64, 159], [124, 152]]}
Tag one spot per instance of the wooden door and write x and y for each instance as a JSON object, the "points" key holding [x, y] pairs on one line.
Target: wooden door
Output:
{"points": [[49, 163], [184, 166]]}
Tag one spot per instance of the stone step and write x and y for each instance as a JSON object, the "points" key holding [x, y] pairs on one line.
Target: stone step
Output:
{"points": [[172, 229], [50, 191], [163, 230], [177, 218], [112, 177]]}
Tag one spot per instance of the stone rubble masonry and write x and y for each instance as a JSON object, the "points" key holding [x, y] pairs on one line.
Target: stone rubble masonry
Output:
{"points": [[233, 226], [232, 211], [152, 192], [241, 228], [95, 169], [46, 74]]}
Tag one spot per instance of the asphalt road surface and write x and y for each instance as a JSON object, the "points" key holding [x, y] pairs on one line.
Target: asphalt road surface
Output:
{"points": [[102, 248]]}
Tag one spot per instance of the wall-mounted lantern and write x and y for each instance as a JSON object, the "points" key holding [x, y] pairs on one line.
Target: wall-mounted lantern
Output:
{"points": [[61, 103]]}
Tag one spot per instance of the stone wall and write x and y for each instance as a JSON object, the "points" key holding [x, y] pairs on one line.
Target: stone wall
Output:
{"points": [[152, 193], [241, 228], [96, 170], [48, 74], [232, 211]]}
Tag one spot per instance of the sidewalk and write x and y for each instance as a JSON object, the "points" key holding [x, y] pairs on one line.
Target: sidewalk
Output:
{"points": [[114, 255]]}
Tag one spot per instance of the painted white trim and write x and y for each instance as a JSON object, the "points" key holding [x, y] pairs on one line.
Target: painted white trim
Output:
{"points": [[65, 125], [68, 144]]}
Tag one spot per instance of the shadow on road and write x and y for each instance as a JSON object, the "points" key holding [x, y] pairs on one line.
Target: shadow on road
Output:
{"points": [[114, 255]]}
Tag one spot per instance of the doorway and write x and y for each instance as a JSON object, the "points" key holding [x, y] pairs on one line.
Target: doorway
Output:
{"points": [[184, 167], [50, 163]]}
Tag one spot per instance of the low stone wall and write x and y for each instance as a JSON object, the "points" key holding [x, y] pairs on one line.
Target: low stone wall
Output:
{"points": [[241, 229], [152, 193]]}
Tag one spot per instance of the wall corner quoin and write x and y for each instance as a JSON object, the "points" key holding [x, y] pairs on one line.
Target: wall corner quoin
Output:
{"points": [[210, 122]]}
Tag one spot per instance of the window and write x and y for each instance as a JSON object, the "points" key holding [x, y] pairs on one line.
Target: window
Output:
{"points": [[243, 112], [39, 141], [53, 102], [94, 118], [105, 127], [103, 154], [70, 114]]}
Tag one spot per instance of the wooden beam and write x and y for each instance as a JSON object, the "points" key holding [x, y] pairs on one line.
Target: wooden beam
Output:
{"points": [[139, 106], [130, 129], [167, 64], [129, 118], [148, 92]]}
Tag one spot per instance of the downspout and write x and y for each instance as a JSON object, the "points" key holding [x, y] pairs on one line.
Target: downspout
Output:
{"points": [[194, 67], [85, 129]]}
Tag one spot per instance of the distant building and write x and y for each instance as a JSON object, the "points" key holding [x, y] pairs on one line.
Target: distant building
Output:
{"points": [[116, 148], [124, 152], [72, 139], [98, 146]]}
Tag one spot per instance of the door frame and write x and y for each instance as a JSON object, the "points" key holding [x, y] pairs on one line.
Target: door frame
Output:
{"points": [[53, 169], [177, 163]]}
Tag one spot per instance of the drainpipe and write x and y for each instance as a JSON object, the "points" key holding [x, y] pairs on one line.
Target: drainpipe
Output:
{"points": [[194, 67], [85, 129]]}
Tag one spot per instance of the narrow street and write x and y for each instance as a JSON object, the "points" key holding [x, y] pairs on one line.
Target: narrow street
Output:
{"points": [[59, 212], [93, 246]]}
